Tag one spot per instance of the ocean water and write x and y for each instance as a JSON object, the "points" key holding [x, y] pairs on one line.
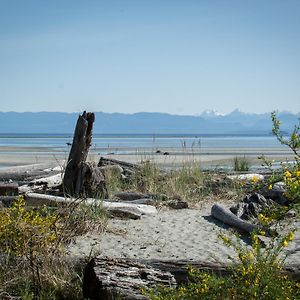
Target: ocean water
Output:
{"points": [[16, 149], [130, 143]]}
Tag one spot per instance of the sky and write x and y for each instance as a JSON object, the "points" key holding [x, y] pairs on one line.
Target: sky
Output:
{"points": [[179, 57]]}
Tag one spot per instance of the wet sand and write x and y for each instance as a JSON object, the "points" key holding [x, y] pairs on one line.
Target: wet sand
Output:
{"points": [[171, 157]]}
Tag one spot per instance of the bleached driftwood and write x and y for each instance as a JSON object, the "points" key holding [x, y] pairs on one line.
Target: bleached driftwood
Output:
{"points": [[226, 216], [25, 174], [115, 208]]}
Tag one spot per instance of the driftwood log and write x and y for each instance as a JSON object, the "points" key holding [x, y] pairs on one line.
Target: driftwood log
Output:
{"points": [[9, 189], [104, 278], [107, 279], [226, 216], [118, 209], [25, 174], [72, 180], [130, 167]]}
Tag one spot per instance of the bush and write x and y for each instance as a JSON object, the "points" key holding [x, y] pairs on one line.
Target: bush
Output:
{"points": [[258, 275], [26, 232]]}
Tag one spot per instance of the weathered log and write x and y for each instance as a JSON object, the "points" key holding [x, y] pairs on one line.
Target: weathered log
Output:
{"points": [[104, 278], [25, 174], [78, 153], [7, 200], [115, 208], [176, 204], [227, 217], [128, 196], [109, 161], [8, 189]]}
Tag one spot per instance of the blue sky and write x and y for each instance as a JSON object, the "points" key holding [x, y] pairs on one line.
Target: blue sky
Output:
{"points": [[180, 57]]}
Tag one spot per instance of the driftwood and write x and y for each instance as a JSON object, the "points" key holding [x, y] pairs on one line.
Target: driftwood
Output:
{"points": [[72, 181], [7, 200], [109, 162], [104, 278], [90, 181], [129, 210], [25, 174], [227, 217], [9, 189], [129, 196], [107, 279], [251, 206]]}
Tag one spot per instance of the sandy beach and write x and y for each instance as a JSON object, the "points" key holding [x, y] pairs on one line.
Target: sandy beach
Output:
{"points": [[188, 234], [209, 158]]}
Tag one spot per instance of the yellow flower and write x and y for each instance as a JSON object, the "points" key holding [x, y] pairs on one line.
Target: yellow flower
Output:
{"points": [[254, 179], [270, 186], [291, 236], [287, 174], [285, 243]]}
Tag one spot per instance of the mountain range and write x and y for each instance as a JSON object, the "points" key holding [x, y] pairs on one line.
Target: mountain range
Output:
{"points": [[208, 122]]}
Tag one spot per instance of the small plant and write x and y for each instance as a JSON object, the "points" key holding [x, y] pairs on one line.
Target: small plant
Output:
{"points": [[241, 164]]}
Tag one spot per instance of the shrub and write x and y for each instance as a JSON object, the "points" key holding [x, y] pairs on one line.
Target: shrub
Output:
{"points": [[258, 275], [25, 232]]}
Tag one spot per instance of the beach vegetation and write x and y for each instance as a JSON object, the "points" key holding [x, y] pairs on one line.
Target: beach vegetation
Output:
{"points": [[241, 164], [32, 245], [257, 273], [187, 182]]}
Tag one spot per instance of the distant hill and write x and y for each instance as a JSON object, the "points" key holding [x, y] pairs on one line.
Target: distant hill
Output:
{"points": [[209, 122]]}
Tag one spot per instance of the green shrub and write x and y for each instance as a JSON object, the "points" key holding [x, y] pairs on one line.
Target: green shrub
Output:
{"points": [[258, 275]]}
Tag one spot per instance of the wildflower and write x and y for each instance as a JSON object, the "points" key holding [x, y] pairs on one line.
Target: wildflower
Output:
{"points": [[270, 186], [287, 174], [285, 243], [291, 236], [254, 179]]}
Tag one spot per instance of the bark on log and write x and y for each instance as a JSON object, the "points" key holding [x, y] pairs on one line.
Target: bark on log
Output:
{"points": [[128, 196], [109, 161], [107, 279], [90, 181], [79, 151], [9, 189], [227, 217], [104, 277], [7, 200]]}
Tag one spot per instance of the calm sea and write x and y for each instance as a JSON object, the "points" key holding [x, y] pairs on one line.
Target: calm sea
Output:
{"points": [[127, 143]]}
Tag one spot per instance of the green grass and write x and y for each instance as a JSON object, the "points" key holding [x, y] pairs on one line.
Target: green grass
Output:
{"points": [[187, 182], [241, 164]]}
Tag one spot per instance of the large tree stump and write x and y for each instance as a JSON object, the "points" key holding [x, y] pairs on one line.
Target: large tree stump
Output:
{"points": [[78, 153]]}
